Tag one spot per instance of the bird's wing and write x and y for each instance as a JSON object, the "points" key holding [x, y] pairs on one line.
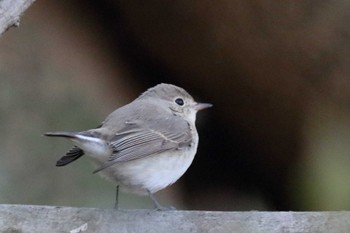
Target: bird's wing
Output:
{"points": [[140, 139]]}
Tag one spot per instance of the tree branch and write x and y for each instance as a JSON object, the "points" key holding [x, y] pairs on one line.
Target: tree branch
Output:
{"points": [[10, 12]]}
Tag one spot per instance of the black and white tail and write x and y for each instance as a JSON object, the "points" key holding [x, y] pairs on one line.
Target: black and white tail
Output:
{"points": [[73, 154]]}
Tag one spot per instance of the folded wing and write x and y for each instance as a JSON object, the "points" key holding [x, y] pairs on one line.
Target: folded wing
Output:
{"points": [[139, 139]]}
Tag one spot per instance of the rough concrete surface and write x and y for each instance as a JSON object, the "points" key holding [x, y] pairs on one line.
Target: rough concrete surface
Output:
{"points": [[22, 218]]}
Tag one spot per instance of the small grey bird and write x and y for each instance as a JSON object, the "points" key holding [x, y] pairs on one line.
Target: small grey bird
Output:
{"points": [[143, 146]]}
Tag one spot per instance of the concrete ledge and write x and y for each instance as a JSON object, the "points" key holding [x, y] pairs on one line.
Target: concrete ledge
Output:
{"points": [[22, 218]]}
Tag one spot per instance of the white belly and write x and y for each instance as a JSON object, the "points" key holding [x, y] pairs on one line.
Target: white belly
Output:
{"points": [[152, 173]]}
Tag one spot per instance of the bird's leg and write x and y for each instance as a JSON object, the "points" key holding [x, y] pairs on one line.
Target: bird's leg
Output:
{"points": [[116, 197], [157, 205]]}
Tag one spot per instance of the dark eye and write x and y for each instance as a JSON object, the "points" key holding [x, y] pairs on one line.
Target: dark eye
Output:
{"points": [[179, 101]]}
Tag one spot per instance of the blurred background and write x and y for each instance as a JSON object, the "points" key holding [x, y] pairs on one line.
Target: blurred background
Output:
{"points": [[277, 72]]}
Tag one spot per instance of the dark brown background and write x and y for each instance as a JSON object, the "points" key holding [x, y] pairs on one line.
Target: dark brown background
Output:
{"points": [[276, 72]]}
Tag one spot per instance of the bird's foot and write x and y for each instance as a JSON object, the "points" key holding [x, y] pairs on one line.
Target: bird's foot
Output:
{"points": [[157, 206]]}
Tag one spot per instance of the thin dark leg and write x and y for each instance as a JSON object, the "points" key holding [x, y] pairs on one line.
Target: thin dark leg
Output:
{"points": [[116, 197], [157, 205]]}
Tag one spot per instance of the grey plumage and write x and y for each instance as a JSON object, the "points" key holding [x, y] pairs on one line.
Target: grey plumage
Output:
{"points": [[145, 145]]}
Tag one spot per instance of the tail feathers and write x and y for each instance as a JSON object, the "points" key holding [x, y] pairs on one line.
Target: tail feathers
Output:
{"points": [[62, 134], [72, 155]]}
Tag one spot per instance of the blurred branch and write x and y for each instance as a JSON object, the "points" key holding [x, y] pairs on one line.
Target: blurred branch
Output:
{"points": [[25, 218], [10, 12]]}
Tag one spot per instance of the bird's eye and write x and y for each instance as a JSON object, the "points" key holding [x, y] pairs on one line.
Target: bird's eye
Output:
{"points": [[179, 101]]}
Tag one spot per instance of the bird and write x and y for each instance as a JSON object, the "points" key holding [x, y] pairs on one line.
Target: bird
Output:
{"points": [[144, 146]]}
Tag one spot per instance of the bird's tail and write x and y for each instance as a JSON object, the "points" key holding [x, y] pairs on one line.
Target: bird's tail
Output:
{"points": [[61, 134], [73, 154]]}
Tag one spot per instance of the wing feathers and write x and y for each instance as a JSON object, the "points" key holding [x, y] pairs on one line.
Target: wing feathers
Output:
{"points": [[138, 142]]}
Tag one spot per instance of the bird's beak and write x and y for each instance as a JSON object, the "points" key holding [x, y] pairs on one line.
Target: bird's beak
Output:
{"points": [[201, 106]]}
